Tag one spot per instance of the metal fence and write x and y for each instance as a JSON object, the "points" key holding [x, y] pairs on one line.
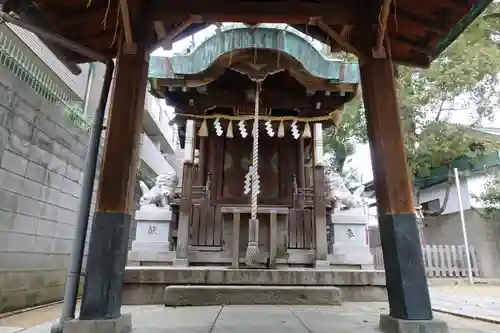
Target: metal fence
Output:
{"points": [[20, 64]]}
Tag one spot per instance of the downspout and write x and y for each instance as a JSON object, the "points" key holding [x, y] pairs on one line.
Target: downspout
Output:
{"points": [[92, 155], [88, 87]]}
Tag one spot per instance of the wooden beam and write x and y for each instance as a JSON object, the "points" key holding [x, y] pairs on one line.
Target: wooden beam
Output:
{"points": [[297, 12], [127, 27], [425, 24], [269, 99], [165, 39], [378, 50], [160, 31], [336, 37], [345, 31]]}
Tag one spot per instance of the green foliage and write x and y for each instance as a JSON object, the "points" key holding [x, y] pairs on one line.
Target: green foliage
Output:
{"points": [[74, 111], [490, 198], [340, 142], [464, 79]]}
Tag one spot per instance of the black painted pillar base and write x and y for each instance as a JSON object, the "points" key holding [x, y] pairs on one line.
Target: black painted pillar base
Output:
{"points": [[107, 257], [404, 267]]}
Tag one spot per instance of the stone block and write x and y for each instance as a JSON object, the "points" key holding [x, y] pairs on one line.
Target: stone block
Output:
{"points": [[45, 124], [322, 264], [32, 189], [19, 146], [389, 324], [43, 244], [57, 165], [24, 224], [50, 212], [179, 295], [11, 182], [43, 141], [6, 95], [46, 228], [54, 180], [29, 206], [14, 163], [62, 136], [122, 324], [9, 201], [25, 110], [21, 242], [40, 156]]}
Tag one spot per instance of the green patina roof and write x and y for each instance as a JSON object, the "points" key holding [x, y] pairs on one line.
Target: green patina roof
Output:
{"points": [[231, 40]]}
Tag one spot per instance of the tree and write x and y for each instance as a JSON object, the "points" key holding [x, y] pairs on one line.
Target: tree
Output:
{"points": [[464, 79], [490, 198], [340, 142]]}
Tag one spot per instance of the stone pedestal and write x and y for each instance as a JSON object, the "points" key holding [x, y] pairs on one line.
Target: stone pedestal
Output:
{"points": [[122, 324], [349, 238], [389, 324], [153, 226]]}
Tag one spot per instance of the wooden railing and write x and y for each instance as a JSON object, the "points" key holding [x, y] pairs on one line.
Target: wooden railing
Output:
{"points": [[441, 261]]}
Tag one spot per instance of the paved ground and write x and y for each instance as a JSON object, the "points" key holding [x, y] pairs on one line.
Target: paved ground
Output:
{"points": [[350, 317], [477, 301]]}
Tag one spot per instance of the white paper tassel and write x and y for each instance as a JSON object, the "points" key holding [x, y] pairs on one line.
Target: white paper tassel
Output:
{"points": [[281, 130], [295, 130], [269, 128], [243, 130], [307, 131], [218, 127], [229, 133]]}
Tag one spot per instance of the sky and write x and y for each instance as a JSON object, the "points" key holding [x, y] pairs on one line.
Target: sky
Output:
{"points": [[360, 161]]}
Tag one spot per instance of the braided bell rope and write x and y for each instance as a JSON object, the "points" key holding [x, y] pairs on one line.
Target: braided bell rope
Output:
{"points": [[253, 246]]}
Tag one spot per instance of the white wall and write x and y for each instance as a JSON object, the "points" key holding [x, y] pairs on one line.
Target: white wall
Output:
{"points": [[152, 156], [439, 191], [471, 186], [476, 185]]}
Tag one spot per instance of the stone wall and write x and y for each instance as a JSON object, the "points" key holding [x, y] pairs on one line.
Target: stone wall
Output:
{"points": [[41, 162]]}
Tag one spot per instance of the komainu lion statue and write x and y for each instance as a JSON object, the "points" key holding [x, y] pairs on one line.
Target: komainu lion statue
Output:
{"points": [[162, 191], [337, 192]]}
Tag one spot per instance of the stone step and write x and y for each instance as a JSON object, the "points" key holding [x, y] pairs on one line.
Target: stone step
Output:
{"points": [[204, 295]]}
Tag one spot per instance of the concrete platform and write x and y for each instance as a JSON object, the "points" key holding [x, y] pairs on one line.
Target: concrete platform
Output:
{"points": [[203, 295], [146, 285]]}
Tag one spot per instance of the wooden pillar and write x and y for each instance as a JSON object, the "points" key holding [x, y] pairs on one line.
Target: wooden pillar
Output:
{"points": [[405, 274], [181, 253], [319, 200], [108, 246], [301, 179], [202, 161]]}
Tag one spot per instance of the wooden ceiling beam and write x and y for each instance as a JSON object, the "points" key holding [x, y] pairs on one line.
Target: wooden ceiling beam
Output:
{"points": [[127, 27], [334, 12], [336, 37], [269, 99], [424, 23], [420, 48], [96, 19], [379, 50], [166, 38]]}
